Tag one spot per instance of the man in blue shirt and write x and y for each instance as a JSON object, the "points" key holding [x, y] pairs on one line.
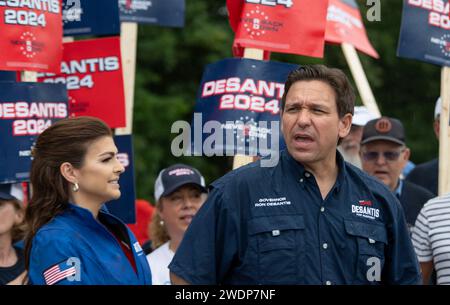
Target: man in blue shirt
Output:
{"points": [[312, 218]]}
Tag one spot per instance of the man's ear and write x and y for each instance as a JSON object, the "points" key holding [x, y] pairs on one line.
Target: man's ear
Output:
{"points": [[69, 172], [407, 154], [345, 124]]}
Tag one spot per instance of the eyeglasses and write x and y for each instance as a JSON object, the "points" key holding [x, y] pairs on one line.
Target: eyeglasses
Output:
{"points": [[388, 155]]}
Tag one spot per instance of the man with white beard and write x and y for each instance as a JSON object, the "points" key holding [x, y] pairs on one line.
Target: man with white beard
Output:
{"points": [[349, 147]]}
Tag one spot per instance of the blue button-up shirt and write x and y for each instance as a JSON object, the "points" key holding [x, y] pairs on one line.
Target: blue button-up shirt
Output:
{"points": [[76, 249], [272, 226], [399, 188]]}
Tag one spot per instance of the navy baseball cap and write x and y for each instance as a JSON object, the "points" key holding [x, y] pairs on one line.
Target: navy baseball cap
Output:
{"points": [[176, 176], [5, 192], [384, 128]]}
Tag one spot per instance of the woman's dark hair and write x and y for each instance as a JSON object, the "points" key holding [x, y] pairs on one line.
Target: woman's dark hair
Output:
{"points": [[345, 95], [65, 141]]}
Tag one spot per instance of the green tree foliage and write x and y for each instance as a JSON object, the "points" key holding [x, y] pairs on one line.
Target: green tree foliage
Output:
{"points": [[404, 88], [171, 61], [170, 65]]}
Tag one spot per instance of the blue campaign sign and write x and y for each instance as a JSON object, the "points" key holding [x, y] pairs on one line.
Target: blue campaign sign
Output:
{"points": [[424, 33], [26, 110], [87, 17], [124, 207], [238, 108], [8, 76], [168, 13]]}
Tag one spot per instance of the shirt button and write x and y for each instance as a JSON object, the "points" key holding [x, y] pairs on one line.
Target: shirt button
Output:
{"points": [[322, 209], [327, 283], [301, 180], [325, 245], [307, 175]]}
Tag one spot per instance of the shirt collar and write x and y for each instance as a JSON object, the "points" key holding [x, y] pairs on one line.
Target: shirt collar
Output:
{"points": [[80, 210], [342, 170], [299, 170], [293, 165], [398, 190]]}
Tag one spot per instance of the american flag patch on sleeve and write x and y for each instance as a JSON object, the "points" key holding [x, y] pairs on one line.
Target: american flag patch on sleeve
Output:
{"points": [[59, 272]]}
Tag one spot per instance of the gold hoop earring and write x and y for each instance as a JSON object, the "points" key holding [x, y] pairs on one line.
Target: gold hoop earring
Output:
{"points": [[75, 187]]}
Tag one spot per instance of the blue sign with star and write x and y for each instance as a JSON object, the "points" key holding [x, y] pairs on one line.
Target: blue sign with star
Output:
{"points": [[237, 109], [167, 13], [425, 32], [87, 17], [26, 110]]}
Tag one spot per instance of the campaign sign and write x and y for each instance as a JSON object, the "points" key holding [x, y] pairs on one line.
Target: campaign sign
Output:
{"points": [[87, 17], [124, 207], [424, 33], [26, 110], [7, 76], [285, 26], [168, 13], [92, 72], [31, 35], [344, 24], [238, 107]]}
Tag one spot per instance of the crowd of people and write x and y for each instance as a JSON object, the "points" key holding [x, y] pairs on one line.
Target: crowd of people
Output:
{"points": [[344, 205]]}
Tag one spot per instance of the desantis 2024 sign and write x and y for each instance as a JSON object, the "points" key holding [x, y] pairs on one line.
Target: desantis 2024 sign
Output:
{"points": [[240, 100], [26, 110], [31, 35], [92, 72], [425, 31]]}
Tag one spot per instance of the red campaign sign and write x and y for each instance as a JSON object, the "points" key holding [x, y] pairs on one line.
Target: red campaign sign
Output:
{"points": [[31, 35], [344, 24], [286, 26], [92, 72]]}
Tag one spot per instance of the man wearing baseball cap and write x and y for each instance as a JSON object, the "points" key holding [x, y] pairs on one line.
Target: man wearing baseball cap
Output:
{"points": [[427, 174], [180, 190], [349, 147], [384, 154]]}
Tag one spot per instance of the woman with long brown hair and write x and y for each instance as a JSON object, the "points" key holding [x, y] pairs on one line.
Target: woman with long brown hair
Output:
{"points": [[70, 240]]}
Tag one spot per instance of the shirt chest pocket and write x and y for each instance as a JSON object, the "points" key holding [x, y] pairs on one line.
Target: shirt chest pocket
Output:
{"points": [[371, 242], [277, 247]]}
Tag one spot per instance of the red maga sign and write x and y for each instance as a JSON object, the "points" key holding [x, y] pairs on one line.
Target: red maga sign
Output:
{"points": [[92, 72], [31, 35], [344, 24], [286, 26]]}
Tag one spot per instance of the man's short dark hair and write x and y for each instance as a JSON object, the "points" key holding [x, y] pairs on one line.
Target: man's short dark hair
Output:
{"points": [[345, 95]]}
